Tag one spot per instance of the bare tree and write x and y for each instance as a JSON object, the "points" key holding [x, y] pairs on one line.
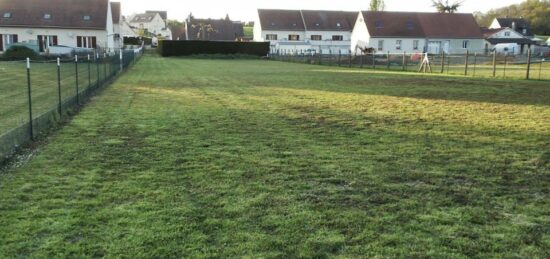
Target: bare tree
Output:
{"points": [[204, 30], [377, 5], [446, 7]]}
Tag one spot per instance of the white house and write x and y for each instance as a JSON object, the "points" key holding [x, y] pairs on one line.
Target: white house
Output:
{"points": [[416, 32], [307, 31], [519, 25], [88, 24], [152, 22], [506, 40]]}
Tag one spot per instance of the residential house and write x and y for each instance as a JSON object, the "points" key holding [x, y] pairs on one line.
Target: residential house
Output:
{"points": [[79, 24], [519, 25], [213, 29], [506, 40], [309, 31], [416, 32], [151, 23]]}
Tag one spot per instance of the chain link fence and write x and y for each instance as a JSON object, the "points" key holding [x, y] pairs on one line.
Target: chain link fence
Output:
{"points": [[36, 94], [474, 64]]}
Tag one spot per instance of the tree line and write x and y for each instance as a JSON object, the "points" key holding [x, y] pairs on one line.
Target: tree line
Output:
{"points": [[535, 12]]}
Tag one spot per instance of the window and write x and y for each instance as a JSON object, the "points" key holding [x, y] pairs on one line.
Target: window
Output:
{"points": [[465, 44], [316, 37], [337, 37], [271, 37], [45, 41], [86, 18], [379, 24], [415, 44], [398, 44], [507, 34], [47, 16], [86, 42], [6, 40], [410, 25], [293, 37], [524, 31], [381, 45], [338, 25], [7, 15]]}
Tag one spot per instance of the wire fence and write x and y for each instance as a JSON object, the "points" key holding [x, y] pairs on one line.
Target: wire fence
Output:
{"points": [[36, 94], [474, 64]]}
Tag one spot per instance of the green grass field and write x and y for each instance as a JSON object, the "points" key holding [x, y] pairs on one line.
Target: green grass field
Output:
{"points": [[44, 89], [251, 158]]}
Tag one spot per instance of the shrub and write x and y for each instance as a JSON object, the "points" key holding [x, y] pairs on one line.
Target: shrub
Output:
{"points": [[169, 48], [137, 40], [19, 53]]}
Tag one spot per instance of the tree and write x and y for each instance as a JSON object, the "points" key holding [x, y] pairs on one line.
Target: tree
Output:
{"points": [[377, 5], [535, 12], [445, 7]]}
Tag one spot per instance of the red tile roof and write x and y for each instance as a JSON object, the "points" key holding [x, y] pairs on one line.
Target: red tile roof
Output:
{"points": [[64, 13], [422, 25]]}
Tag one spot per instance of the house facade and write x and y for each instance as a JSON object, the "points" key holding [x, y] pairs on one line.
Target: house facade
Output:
{"points": [[411, 32], [151, 23], [506, 41], [309, 31], [42, 24], [519, 25]]}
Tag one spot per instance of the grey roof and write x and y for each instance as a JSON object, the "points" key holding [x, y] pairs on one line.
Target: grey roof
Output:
{"points": [[519, 23], [63, 13], [301, 20], [143, 17], [163, 14]]}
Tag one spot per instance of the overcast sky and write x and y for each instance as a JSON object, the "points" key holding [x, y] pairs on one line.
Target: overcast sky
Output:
{"points": [[245, 10]]}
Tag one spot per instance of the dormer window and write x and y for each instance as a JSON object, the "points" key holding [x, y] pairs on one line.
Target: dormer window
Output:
{"points": [[379, 24], [272, 24], [410, 25], [338, 25], [317, 24], [7, 15], [47, 16], [86, 18]]}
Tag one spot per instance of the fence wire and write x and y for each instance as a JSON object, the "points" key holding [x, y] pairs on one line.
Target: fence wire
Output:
{"points": [[482, 64], [36, 95]]}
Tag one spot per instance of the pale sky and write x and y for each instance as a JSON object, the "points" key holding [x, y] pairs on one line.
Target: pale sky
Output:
{"points": [[245, 10]]}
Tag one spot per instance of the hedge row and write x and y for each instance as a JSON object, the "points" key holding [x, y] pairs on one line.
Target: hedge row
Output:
{"points": [[137, 40], [169, 48]]}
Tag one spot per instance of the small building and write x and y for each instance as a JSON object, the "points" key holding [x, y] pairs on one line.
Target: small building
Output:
{"points": [[506, 41], [309, 31], [213, 29], [519, 25], [151, 23], [91, 24], [412, 32]]}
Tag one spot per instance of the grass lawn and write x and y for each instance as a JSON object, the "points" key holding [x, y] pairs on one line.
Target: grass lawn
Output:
{"points": [[224, 158], [14, 95]]}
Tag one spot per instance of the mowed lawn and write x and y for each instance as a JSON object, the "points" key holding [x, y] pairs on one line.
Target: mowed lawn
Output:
{"points": [[231, 158]]}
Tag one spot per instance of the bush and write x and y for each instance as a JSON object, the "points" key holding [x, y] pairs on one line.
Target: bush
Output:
{"points": [[19, 53], [137, 40], [169, 48]]}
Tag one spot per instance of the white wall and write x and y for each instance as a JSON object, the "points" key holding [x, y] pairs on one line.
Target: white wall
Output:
{"points": [[326, 45], [65, 37], [502, 34], [156, 26]]}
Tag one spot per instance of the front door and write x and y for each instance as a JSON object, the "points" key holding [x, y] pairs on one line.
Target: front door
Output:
{"points": [[434, 47]]}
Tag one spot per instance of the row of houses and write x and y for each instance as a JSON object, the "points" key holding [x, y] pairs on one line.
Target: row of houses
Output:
{"points": [[91, 24], [353, 32]]}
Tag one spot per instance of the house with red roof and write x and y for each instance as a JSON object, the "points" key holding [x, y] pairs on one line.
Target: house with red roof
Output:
{"points": [[89, 24]]}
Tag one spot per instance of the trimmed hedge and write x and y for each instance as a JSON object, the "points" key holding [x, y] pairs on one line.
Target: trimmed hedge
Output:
{"points": [[137, 40], [169, 48], [17, 52]]}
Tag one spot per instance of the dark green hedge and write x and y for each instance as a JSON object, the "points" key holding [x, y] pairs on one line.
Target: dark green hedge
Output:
{"points": [[19, 53], [169, 48], [137, 40]]}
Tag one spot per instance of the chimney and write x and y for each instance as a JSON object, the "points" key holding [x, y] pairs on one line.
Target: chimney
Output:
{"points": [[514, 26]]}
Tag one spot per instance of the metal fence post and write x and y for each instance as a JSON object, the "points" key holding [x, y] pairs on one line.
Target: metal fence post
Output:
{"points": [[349, 59], [361, 60], [505, 64], [404, 59], [443, 62], [540, 68], [373, 60], [29, 94], [388, 61], [475, 63], [339, 56], [105, 66], [494, 63], [330, 57], [528, 63], [97, 69], [76, 76], [121, 59], [466, 64], [89, 74], [59, 85]]}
